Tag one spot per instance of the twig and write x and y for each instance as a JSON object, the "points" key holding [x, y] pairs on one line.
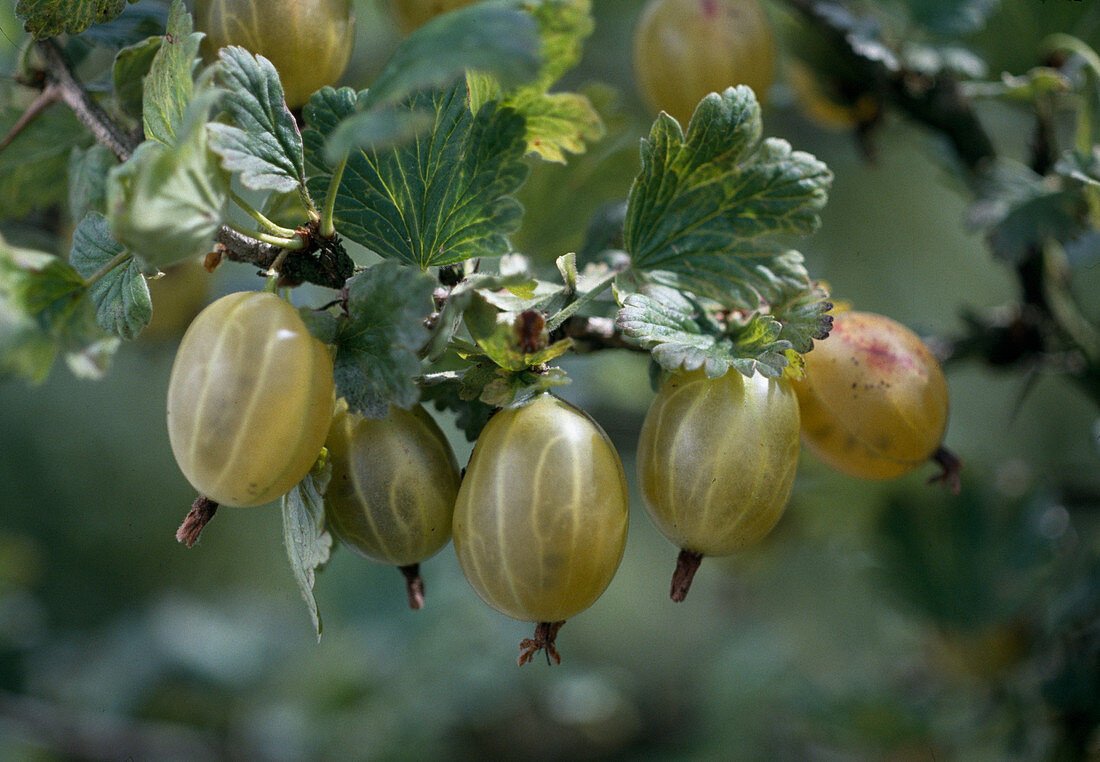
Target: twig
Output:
{"points": [[594, 333], [322, 260], [60, 75]]}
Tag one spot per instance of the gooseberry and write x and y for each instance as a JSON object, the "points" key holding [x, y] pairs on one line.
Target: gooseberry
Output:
{"points": [[874, 400], [540, 521], [392, 493], [249, 399], [686, 49], [308, 41], [716, 463]]}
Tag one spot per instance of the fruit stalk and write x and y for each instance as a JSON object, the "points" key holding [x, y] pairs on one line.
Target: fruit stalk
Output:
{"points": [[543, 640], [202, 510], [687, 563], [414, 586]]}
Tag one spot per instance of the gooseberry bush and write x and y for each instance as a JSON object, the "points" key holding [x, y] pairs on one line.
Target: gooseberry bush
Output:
{"points": [[223, 137]]}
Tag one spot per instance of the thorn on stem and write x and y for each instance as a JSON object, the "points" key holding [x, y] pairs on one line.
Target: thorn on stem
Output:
{"points": [[687, 563], [414, 586], [202, 510], [543, 640], [950, 465]]}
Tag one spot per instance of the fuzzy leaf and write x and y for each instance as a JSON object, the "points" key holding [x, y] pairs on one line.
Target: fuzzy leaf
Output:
{"points": [[471, 414], [378, 340], [804, 317], [88, 180], [135, 23], [132, 65], [121, 297], [440, 199], [308, 544], [376, 129], [49, 18], [43, 312], [168, 87], [951, 17], [460, 298], [680, 337], [34, 166], [1018, 210], [262, 144], [485, 37], [165, 204], [499, 336], [560, 122], [704, 209]]}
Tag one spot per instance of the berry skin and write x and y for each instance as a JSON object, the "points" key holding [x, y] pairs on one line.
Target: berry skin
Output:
{"points": [[874, 400], [686, 49], [308, 41], [394, 482], [716, 462], [249, 399], [540, 522]]}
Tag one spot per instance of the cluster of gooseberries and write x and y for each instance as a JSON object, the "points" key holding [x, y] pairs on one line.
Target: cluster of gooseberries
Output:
{"points": [[539, 517]]}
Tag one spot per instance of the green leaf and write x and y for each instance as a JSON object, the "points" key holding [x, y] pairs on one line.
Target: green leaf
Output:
{"points": [[460, 298], [168, 87], [500, 337], [804, 317], [953, 18], [707, 205], [34, 167], [43, 312], [121, 296], [681, 337], [1019, 210], [132, 65], [165, 204], [484, 37], [262, 144], [557, 123], [495, 387], [378, 340], [472, 414], [49, 18], [376, 129], [441, 199], [1040, 82], [560, 122], [88, 179], [308, 545], [134, 24]]}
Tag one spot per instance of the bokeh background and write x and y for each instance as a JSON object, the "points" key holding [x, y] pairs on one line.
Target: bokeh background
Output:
{"points": [[878, 621]]}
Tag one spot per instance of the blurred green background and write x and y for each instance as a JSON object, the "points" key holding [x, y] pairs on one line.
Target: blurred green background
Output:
{"points": [[878, 621]]}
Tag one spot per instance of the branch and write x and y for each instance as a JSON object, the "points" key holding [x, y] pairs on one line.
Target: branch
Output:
{"points": [[60, 75], [594, 333], [322, 260], [936, 102]]}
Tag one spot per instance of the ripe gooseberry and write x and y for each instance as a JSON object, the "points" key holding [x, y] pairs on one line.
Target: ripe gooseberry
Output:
{"points": [[874, 400], [392, 493], [410, 14], [686, 49], [716, 462], [308, 41], [249, 399], [540, 521]]}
